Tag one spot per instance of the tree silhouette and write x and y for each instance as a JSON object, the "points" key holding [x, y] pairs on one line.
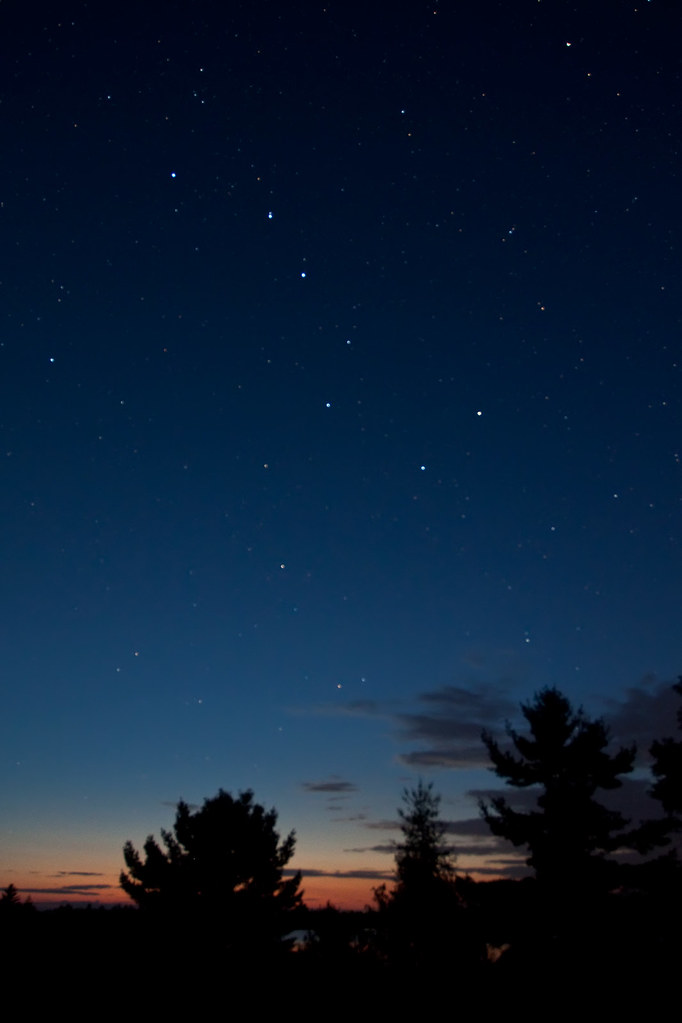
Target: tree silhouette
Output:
{"points": [[423, 921], [667, 789], [10, 897], [10, 901], [667, 767], [222, 864], [565, 756], [662, 876], [423, 860]]}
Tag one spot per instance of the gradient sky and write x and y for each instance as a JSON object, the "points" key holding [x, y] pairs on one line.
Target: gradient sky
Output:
{"points": [[340, 364]]}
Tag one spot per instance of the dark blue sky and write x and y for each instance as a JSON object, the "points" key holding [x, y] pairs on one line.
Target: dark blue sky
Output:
{"points": [[340, 366]]}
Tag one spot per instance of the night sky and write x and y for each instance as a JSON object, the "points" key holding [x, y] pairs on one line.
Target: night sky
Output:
{"points": [[340, 365]]}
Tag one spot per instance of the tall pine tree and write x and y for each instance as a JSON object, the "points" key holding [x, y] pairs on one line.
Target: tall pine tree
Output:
{"points": [[423, 859], [667, 767], [424, 922], [565, 757]]}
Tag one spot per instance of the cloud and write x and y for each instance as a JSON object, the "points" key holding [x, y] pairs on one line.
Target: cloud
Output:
{"points": [[389, 849], [472, 756], [450, 726], [648, 711], [78, 873], [66, 890], [486, 849], [383, 825], [484, 704], [458, 713], [447, 722], [366, 874], [508, 869], [470, 826], [193, 807], [334, 784]]}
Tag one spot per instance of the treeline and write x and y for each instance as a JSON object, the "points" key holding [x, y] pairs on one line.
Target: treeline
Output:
{"points": [[597, 918]]}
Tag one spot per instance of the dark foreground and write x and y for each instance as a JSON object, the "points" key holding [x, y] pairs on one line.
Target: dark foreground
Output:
{"points": [[502, 951]]}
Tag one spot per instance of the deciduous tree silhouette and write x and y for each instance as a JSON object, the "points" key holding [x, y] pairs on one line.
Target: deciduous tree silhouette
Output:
{"points": [[565, 757], [222, 864]]}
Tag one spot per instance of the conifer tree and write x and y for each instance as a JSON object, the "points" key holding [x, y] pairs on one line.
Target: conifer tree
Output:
{"points": [[10, 897], [565, 757], [222, 865], [423, 859], [667, 767], [424, 922]]}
